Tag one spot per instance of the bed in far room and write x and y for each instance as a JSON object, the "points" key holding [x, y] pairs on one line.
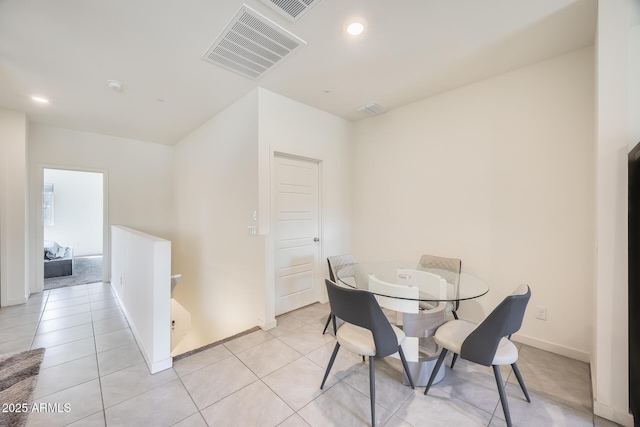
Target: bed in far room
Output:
{"points": [[58, 260]]}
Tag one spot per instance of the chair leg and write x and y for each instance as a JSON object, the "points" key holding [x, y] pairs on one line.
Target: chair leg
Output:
{"points": [[406, 367], [372, 388], [453, 360], [335, 328], [521, 381], [333, 358], [436, 368], [455, 355], [503, 395], [326, 325]]}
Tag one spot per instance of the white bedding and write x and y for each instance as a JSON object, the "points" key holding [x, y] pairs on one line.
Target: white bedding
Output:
{"points": [[53, 250]]}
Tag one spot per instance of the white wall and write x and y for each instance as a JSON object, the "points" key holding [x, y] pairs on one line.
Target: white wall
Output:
{"points": [[290, 127], [610, 365], [77, 210], [497, 173], [216, 193], [222, 177], [14, 275], [141, 272], [140, 181], [634, 84]]}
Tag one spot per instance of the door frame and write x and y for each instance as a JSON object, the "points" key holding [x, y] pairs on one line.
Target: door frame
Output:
{"points": [[270, 290], [39, 244]]}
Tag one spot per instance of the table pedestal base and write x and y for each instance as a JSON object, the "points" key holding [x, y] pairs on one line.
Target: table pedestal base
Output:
{"points": [[421, 372], [419, 347]]}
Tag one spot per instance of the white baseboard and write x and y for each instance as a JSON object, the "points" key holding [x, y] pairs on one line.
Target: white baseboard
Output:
{"points": [[571, 353], [161, 365], [154, 366], [266, 325], [612, 414], [14, 301]]}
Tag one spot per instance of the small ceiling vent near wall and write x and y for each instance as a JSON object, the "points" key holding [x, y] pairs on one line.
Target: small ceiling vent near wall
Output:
{"points": [[251, 44], [372, 109], [293, 10]]}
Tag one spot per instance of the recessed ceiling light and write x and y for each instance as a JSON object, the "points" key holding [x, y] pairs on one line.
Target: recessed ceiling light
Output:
{"points": [[114, 84], [355, 27], [40, 99]]}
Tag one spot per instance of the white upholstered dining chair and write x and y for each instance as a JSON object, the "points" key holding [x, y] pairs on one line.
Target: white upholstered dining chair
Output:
{"points": [[419, 325], [449, 269]]}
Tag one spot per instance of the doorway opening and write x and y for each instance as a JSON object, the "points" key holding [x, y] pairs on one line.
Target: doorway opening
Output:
{"points": [[73, 227]]}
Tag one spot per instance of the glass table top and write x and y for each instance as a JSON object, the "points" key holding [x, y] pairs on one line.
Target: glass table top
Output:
{"points": [[459, 286]]}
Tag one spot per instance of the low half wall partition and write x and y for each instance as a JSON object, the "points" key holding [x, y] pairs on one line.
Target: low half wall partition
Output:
{"points": [[141, 279]]}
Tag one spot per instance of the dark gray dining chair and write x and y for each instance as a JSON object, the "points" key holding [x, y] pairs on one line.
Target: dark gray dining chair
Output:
{"points": [[366, 331], [336, 263], [488, 343]]}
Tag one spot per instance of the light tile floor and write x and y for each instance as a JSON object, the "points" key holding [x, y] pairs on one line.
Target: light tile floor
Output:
{"points": [[268, 378]]}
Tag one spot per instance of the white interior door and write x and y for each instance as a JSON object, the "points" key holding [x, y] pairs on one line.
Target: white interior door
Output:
{"points": [[296, 233]]}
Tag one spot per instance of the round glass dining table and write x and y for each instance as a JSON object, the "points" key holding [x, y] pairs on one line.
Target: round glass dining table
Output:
{"points": [[460, 286], [428, 305]]}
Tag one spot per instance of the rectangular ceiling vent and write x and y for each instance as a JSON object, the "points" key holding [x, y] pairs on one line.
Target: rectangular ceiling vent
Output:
{"points": [[293, 10], [372, 109], [251, 44]]}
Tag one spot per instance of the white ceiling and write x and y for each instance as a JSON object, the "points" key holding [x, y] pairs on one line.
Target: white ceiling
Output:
{"points": [[66, 50]]}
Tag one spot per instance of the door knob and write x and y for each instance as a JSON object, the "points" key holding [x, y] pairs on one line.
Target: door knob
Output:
{"points": [[315, 239]]}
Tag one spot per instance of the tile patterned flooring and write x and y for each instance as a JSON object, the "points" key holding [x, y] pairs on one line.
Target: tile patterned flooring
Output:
{"points": [[267, 378]]}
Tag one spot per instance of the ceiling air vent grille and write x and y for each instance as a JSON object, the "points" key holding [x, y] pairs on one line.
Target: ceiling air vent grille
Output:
{"points": [[293, 10], [251, 44], [372, 109]]}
